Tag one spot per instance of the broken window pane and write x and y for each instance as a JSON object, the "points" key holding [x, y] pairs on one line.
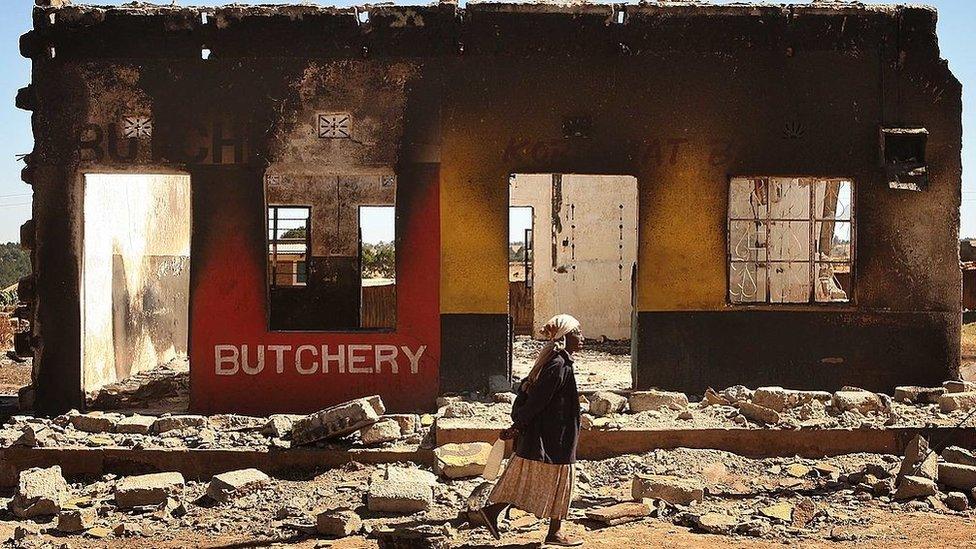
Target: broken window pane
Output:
{"points": [[833, 199], [747, 282], [833, 241], [790, 239]]}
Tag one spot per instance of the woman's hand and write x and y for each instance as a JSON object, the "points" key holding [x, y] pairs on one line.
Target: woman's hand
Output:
{"points": [[508, 434]]}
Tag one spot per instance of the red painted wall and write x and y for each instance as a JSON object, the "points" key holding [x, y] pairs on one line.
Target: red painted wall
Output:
{"points": [[228, 307]]}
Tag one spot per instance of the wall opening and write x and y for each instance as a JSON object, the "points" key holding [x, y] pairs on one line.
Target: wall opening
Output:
{"points": [[135, 275], [520, 220], [331, 252], [377, 266], [583, 246]]}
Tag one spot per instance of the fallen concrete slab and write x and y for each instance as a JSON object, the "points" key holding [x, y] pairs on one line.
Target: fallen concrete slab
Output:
{"points": [[810, 443]]}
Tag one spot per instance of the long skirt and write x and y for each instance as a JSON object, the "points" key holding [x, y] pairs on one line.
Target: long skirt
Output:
{"points": [[543, 489]]}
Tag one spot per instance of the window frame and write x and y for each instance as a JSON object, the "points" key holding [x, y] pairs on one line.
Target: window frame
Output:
{"points": [[271, 247], [813, 220]]}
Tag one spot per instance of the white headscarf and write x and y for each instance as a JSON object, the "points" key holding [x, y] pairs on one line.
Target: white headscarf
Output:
{"points": [[555, 331]]}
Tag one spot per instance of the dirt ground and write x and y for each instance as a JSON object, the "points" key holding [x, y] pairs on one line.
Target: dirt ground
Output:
{"points": [[13, 375], [599, 365], [914, 531], [282, 514]]}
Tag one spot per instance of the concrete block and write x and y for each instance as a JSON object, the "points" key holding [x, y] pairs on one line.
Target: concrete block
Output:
{"points": [[462, 460], [910, 394], [642, 401], [620, 513], [603, 403], [912, 487], [384, 430], [779, 399], [234, 484], [135, 424], [758, 413], [737, 393], [961, 477], [392, 496], [95, 422], [862, 402], [676, 490], [957, 501], [958, 386], [40, 492], [170, 423], [918, 460], [950, 402], [404, 474], [151, 489], [960, 456], [336, 421], [72, 521], [409, 423], [338, 523]]}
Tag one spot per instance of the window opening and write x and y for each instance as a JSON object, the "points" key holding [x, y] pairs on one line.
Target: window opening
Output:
{"points": [[790, 240]]}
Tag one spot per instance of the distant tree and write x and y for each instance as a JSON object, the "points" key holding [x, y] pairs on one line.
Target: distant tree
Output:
{"points": [[516, 251], [299, 232], [379, 260], [14, 264]]}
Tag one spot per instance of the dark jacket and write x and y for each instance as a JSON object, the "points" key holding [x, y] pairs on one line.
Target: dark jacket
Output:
{"points": [[548, 414]]}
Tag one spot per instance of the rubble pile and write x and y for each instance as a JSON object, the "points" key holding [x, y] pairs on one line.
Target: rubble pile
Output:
{"points": [[356, 423], [706, 491], [745, 408]]}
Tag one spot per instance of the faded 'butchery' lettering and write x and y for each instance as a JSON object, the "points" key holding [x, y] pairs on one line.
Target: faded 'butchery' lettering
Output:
{"points": [[313, 359]]}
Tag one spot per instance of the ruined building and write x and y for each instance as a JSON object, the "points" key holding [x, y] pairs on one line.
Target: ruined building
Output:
{"points": [[232, 185]]}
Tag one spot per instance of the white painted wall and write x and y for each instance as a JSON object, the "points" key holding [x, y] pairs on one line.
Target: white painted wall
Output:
{"points": [[595, 249], [135, 278]]}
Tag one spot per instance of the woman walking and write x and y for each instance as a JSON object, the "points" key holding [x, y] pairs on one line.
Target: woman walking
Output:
{"points": [[540, 476]]}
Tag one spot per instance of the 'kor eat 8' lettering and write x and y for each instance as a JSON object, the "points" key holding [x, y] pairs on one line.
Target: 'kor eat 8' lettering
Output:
{"points": [[312, 359]]}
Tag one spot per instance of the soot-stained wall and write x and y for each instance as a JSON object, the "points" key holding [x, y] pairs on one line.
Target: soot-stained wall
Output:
{"points": [[682, 97]]}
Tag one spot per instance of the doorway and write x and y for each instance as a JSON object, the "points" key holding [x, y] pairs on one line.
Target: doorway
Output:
{"points": [[135, 275], [582, 237]]}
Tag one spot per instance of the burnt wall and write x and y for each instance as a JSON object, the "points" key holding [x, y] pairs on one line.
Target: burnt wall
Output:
{"points": [[682, 97]]}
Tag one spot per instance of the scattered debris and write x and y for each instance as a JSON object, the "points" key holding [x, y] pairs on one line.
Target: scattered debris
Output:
{"points": [[758, 413], [384, 430], [338, 523]]}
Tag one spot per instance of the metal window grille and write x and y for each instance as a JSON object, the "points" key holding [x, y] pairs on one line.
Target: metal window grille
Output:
{"points": [[289, 237], [791, 240]]}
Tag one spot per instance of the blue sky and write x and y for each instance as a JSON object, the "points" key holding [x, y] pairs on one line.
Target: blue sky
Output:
{"points": [[957, 19]]}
